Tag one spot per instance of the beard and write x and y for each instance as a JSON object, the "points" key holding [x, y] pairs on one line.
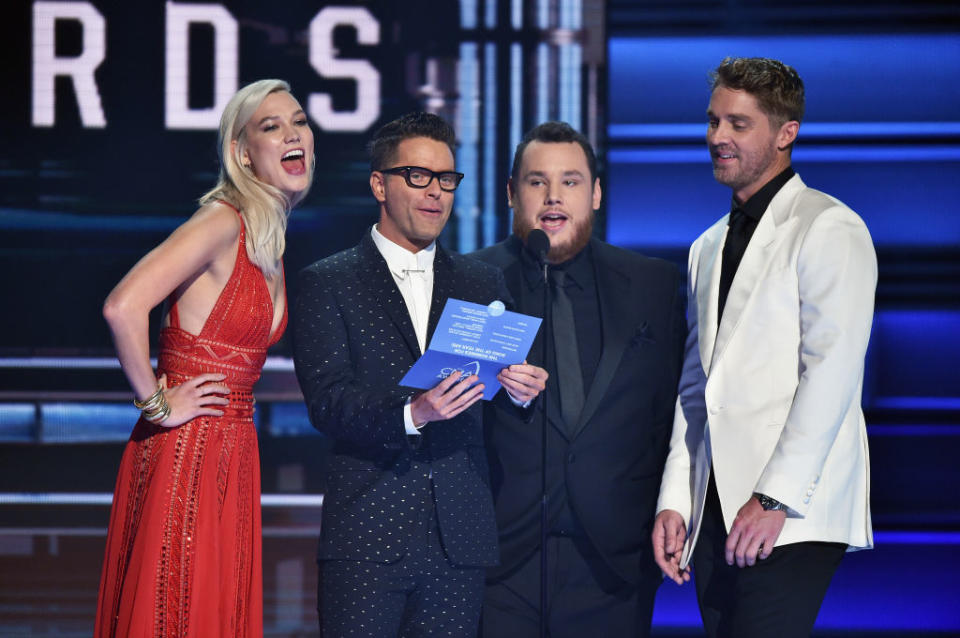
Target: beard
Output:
{"points": [[559, 253], [750, 171]]}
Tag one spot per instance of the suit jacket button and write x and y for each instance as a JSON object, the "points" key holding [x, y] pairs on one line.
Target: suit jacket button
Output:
{"points": [[571, 457]]}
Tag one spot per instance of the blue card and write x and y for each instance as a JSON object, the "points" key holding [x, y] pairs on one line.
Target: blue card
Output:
{"points": [[474, 339]]}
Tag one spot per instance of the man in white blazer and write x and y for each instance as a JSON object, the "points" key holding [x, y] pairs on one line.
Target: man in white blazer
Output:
{"points": [[767, 481]]}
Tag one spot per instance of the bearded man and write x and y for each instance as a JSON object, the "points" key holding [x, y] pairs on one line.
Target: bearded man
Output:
{"points": [[614, 356]]}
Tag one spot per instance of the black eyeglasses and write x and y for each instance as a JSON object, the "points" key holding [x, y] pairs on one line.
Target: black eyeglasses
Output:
{"points": [[419, 177]]}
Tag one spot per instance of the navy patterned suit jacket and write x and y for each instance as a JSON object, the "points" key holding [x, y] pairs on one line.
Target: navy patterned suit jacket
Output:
{"points": [[353, 341]]}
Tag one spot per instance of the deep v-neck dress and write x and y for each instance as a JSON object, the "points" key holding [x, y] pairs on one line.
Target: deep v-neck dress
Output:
{"points": [[183, 553]]}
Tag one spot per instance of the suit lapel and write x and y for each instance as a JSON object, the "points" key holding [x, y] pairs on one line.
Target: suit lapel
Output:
{"points": [[444, 279], [773, 227], [707, 289], [612, 288], [377, 277]]}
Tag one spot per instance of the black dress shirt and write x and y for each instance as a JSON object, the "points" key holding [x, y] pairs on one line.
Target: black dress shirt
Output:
{"points": [[741, 226], [581, 287]]}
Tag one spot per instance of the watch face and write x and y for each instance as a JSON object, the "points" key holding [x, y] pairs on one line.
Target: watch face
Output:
{"points": [[768, 503]]}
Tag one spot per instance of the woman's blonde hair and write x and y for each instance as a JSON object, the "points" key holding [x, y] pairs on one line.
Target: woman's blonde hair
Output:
{"points": [[264, 207]]}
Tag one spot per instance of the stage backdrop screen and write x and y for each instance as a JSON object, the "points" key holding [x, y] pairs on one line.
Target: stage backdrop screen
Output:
{"points": [[110, 114]]}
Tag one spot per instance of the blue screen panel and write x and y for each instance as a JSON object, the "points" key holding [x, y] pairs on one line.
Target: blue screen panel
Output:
{"points": [[880, 133], [913, 355], [848, 78], [661, 204], [669, 198]]}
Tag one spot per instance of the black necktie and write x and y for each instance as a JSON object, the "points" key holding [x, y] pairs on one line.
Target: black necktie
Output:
{"points": [[738, 236], [569, 374]]}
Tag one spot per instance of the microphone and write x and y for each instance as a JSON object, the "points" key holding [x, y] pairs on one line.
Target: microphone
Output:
{"points": [[539, 244]]}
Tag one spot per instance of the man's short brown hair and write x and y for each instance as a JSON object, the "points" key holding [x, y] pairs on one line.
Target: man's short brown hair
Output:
{"points": [[776, 86], [383, 146]]}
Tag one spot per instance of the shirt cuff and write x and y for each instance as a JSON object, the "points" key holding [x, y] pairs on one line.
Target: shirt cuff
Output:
{"points": [[408, 419], [516, 402]]}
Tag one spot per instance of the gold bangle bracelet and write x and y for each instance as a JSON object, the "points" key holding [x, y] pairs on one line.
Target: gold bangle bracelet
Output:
{"points": [[159, 414], [150, 399], [159, 418], [154, 405]]}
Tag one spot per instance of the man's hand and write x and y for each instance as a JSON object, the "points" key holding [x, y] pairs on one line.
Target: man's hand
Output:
{"points": [[669, 534], [523, 382], [446, 400], [753, 534]]}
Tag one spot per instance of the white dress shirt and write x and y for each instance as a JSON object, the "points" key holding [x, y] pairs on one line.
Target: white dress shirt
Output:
{"points": [[413, 274]]}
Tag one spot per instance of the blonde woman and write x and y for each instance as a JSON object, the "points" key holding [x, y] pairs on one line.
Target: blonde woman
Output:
{"points": [[183, 548]]}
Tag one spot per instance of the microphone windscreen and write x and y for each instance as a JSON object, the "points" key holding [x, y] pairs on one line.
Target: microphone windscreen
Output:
{"points": [[538, 243]]}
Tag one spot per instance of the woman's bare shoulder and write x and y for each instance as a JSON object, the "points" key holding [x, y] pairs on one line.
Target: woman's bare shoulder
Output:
{"points": [[218, 217], [215, 224]]}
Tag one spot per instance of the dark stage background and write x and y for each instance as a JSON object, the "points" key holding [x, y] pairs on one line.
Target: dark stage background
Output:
{"points": [[107, 137]]}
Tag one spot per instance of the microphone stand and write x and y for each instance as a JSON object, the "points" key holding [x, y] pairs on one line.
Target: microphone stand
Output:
{"points": [[547, 336]]}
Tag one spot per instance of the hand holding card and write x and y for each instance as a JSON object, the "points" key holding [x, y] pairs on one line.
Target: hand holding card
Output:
{"points": [[473, 339]]}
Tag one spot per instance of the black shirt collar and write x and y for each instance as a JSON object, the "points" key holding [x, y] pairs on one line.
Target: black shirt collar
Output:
{"points": [[760, 201], [579, 268]]}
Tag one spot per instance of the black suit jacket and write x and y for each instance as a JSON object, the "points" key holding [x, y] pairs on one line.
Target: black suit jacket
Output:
{"points": [[611, 463], [353, 341]]}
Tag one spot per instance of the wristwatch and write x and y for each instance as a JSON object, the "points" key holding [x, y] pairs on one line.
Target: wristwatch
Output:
{"points": [[769, 504]]}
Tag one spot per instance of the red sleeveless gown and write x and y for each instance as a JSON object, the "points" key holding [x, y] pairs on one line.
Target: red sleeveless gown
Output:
{"points": [[183, 553]]}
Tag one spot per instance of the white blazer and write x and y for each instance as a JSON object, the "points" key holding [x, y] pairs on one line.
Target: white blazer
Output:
{"points": [[772, 398]]}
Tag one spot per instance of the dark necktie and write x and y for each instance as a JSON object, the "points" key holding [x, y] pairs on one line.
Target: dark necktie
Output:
{"points": [[738, 236], [569, 374]]}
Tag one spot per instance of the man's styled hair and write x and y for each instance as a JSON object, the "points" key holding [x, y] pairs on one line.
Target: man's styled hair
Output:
{"points": [[555, 132], [776, 86], [383, 146]]}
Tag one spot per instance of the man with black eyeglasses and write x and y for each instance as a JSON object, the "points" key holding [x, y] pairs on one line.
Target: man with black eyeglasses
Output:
{"points": [[408, 523]]}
